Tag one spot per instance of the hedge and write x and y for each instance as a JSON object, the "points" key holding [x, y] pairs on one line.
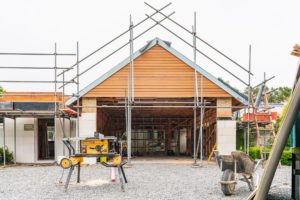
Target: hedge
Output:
{"points": [[285, 159], [254, 153]]}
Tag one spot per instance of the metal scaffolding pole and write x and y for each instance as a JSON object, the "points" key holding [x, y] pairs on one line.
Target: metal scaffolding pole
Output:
{"points": [[202, 109], [4, 143], [126, 115], [131, 59], [129, 134], [18, 81], [200, 143], [263, 82], [245, 139], [194, 132], [115, 51], [249, 101], [63, 105], [196, 103], [77, 95], [14, 114], [55, 100], [187, 30], [160, 102], [124, 106], [15, 141], [44, 95], [106, 44], [47, 68], [195, 61], [63, 92], [130, 93], [203, 54], [37, 54]]}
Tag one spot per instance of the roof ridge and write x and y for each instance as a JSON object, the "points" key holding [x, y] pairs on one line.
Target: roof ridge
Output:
{"points": [[167, 46]]}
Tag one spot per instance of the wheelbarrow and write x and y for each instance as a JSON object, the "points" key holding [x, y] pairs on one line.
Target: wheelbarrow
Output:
{"points": [[237, 167]]}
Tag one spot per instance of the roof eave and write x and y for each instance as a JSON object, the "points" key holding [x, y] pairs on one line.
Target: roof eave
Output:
{"points": [[167, 46], [113, 70], [203, 72]]}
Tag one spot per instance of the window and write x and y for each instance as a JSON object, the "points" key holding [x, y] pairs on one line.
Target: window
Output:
{"points": [[50, 133]]}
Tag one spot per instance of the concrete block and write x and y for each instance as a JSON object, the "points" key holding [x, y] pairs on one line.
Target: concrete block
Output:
{"points": [[87, 124], [226, 136]]}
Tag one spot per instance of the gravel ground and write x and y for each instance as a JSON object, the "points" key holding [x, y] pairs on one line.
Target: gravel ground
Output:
{"points": [[170, 178]]}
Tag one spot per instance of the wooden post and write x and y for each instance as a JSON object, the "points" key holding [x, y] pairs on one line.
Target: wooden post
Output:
{"points": [[189, 141], [168, 136]]}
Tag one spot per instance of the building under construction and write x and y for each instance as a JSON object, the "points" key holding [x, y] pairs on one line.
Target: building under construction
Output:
{"points": [[157, 99]]}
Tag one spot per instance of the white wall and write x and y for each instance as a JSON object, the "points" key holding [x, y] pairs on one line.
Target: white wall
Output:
{"points": [[27, 141], [226, 136], [25, 151], [87, 124]]}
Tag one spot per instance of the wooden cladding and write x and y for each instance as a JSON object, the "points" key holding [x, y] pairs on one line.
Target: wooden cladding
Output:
{"points": [[31, 97], [89, 102], [157, 73], [224, 112]]}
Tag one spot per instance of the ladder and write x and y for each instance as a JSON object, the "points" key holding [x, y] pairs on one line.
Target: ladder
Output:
{"points": [[265, 130]]}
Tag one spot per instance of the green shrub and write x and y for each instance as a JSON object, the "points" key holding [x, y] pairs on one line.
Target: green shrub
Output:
{"points": [[8, 155], [240, 139], [254, 152], [286, 157]]}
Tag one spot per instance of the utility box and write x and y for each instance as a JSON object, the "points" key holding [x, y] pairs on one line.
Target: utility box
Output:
{"points": [[226, 136]]}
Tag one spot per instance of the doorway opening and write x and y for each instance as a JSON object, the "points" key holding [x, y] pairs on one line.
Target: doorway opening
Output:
{"points": [[46, 140]]}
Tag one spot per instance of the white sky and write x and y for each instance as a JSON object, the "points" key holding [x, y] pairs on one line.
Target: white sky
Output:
{"points": [[270, 26]]}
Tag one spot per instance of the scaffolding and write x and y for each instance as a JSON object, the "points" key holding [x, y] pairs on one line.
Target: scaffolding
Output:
{"points": [[260, 118], [57, 112], [199, 103]]}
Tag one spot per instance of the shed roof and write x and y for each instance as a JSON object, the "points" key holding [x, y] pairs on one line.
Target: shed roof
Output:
{"points": [[167, 46], [31, 97]]}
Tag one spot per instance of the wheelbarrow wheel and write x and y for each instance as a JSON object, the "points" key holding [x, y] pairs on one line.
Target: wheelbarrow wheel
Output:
{"points": [[228, 188]]}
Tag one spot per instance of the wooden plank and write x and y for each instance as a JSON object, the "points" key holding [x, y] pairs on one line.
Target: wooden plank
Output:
{"points": [[157, 73], [30, 97], [86, 101], [296, 50], [224, 112]]}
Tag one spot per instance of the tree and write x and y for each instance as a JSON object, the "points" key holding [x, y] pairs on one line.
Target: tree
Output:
{"points": [[282, 115], [276, 95], [280, 95], [1, 89]]}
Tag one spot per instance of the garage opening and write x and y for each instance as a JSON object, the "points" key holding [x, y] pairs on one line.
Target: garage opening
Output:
{"points": [[159, 127]]}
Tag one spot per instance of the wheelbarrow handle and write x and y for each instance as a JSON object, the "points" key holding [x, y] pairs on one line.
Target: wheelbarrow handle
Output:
{"points": [[257, 164]]}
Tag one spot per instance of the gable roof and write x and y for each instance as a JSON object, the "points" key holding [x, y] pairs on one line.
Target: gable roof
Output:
{"points": [[167, 46]]}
